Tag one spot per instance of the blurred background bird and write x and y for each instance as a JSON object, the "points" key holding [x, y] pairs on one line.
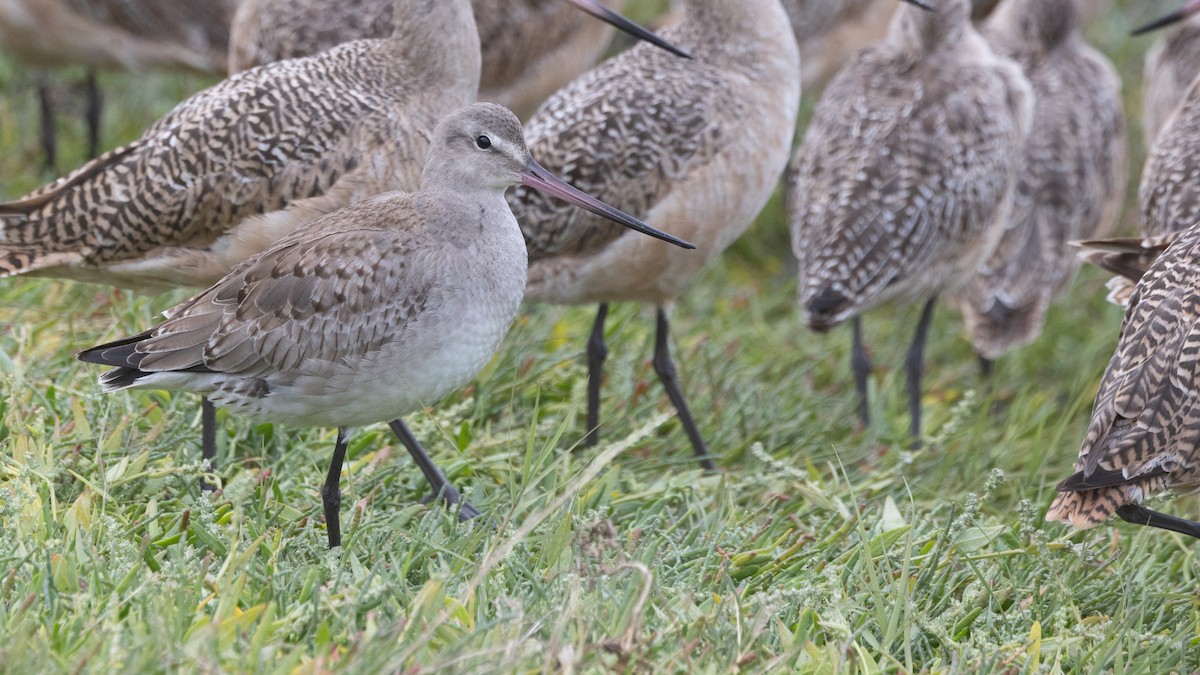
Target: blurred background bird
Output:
{"points": [[903, 182], [696, 145], [1071, 181], [134, 35]]}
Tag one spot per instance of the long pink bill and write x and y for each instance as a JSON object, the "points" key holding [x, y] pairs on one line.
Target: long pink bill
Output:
{"points": [[538, 178], [1182, 13], [607, 15]]}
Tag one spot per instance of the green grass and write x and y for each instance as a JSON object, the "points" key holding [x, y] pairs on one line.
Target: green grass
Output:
{"points": [[818, 547]]}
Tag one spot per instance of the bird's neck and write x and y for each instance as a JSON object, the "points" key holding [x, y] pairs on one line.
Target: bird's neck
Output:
{"points": [[439, 39], [927, 32], [736, 32], [471, 216], [730, 15], [1045, 24]]}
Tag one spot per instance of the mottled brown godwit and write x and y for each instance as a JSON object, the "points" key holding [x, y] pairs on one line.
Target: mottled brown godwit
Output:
{"points": [[903, 182]]}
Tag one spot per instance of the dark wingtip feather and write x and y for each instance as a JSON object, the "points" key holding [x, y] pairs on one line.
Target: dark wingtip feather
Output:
{"points": [[1130, 258], [1130, 266], [120, 378], [120, 353], [123, 355], [1101, 478]]}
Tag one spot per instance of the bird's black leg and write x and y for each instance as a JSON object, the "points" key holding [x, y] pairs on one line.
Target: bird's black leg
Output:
{"points": [[1140, 515], [915, 364], [986, 367], [596, 353], [437, 480], [92, 113], [331, 494], [860, 365], [48, 137], [670, 380], [208, 439]]}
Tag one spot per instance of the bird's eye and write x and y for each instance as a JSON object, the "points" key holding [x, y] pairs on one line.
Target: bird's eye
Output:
{"points": [[483, 142]]}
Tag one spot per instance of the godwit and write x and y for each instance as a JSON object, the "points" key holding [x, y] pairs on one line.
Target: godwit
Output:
{"points": [[1171, 65], [369, 312], [902, 184], [1142, 437], [699, 144], [128, 34], [1072, 181], [1168, 197], [237, 166], [530, 47]]}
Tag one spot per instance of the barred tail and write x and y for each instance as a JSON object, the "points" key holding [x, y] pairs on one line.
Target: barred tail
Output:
{"points": [[30, 239], [1085, 509], [20, 259]]}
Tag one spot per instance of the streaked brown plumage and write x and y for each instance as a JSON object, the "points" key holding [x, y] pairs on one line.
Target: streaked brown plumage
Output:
{"points": [[265, 31], [371, 311], [697, 144], [1169, 194], [235, 167], [903, 182], [1144, 435], [131, 34], [530, 47], [1072, 181], [1171, 64]]}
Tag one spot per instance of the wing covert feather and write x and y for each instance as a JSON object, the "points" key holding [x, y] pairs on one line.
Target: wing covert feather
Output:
{"points": [[312, 297]]}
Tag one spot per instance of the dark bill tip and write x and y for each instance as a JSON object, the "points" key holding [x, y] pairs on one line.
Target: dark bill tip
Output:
{"points": [[1154, 25], [607, 15], [923, 5], [538, 178]]}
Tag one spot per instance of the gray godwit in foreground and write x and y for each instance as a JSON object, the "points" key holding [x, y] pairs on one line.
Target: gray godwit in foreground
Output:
{"points": [[1169, 195], [530, 47], [128, 34], [1071, 184], [370, 312], [1142, 437], [903, 182], [237, 166], [698, 145], [1171, 65]]}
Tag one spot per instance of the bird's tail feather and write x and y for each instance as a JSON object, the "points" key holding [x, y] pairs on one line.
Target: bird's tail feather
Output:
{"points": [[123, 355]]}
